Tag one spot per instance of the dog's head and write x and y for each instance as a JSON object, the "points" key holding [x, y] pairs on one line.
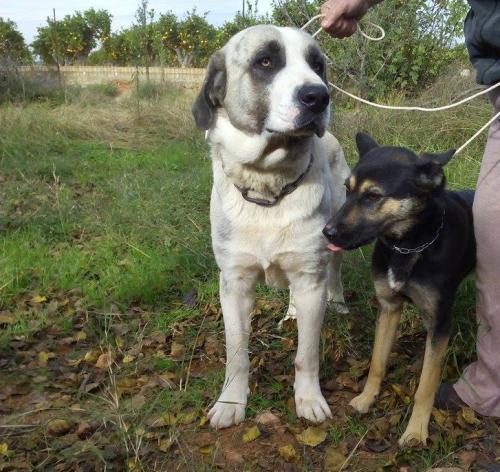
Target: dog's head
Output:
{"points": [[387, 190], [267, 79]]}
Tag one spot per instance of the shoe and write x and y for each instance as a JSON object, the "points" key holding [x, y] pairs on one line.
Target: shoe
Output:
{"points": [[448, 399]]}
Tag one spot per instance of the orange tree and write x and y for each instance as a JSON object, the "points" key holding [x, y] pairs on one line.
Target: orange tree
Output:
{"points": [[74, 37], [12, 45]]}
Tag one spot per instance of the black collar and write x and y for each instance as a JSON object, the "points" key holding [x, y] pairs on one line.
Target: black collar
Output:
{"points": [[422, 247], [286, 190]]}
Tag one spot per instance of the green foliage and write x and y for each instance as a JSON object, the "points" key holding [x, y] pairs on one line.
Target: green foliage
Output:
{"points": [[12, 45], [71, 39], [191, 39], [421, 38], [240, 22]]}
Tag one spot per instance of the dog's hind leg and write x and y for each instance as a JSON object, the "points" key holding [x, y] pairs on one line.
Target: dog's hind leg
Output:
{"points": [[237, 295], [291, 313], [310, 302], [335, 294], [417, 430], [385, 333]]}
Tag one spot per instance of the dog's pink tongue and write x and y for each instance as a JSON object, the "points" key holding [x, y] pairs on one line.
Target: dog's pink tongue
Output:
{"points": [[333, 248]]}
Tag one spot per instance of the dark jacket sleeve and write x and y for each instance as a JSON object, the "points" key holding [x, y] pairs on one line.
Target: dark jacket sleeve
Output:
{"points": [[482, 37]]}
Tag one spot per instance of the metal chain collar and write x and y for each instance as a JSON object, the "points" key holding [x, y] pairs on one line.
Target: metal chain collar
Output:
{"points": [[422, 247]]}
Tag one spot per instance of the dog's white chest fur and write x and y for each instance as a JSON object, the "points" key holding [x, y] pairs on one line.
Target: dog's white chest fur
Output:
{"points": [[394, 283]]}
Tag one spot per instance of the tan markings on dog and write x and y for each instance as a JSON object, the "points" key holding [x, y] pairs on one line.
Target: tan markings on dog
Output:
{"points": [[418, 426], [368, 184], [354, 215], [427, 301], [391, 306], [399, 207], [352, 182]]}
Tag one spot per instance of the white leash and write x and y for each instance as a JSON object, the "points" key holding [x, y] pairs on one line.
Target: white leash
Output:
{"points": [[371, 38], [408, 108]]}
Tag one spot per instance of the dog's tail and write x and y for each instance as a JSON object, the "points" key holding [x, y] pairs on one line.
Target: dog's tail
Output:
{"points": [[467, 196]]}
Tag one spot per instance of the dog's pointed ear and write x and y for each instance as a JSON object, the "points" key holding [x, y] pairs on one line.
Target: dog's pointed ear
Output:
{"points": [[429, 169], [441, 158], [365, 143], [212, 92]]}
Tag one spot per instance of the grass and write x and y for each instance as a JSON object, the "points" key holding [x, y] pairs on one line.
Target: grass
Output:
{"points": [[105, 232]]}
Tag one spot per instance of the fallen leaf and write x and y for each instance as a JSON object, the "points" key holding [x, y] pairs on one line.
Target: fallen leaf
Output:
{"points": [[43, 358], [398, 390], [187, 417], [334, 459], [177, 350], [58, 427], [469, 416], [81, 336], [4, 449], [203, 421], [165, 444], [467, 458], [39, 299], [440, 417], [312, 436], [251, 434], [128, 358], [288, 453], [268, 419], [206, 450], [104, 360], [84, 430], [91, 357], [167, 419], [7, 318]]}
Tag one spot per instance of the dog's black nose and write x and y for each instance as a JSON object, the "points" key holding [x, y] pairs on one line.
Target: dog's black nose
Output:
{"points": [[314, 97], [330, 231]]}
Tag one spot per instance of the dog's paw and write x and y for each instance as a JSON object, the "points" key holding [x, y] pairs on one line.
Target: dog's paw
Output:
{"points": [[226, 414], [362, 403], [312, 407], [414, 436]]}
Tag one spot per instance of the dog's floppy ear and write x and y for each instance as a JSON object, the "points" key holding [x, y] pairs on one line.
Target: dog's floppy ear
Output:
{"points": [[429, 169], [365, 143], [212, 92]]}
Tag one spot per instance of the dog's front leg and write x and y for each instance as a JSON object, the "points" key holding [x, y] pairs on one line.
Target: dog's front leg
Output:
{"points": [[237, 296], [417, 430], [310, 302], [385, 333]]}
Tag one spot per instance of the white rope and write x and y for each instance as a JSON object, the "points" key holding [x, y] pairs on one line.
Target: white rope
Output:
{"points": [[408, 108], [367, 36], [415, 108], [463, 146]]}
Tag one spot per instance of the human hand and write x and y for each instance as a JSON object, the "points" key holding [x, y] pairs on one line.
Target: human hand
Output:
{"points": [[341, 17]]}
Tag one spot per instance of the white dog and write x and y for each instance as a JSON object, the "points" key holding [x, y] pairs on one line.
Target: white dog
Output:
{"points": [[278, 178]]}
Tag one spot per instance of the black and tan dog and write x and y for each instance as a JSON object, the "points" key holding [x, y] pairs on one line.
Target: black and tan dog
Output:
{"points": [[424, 247]]}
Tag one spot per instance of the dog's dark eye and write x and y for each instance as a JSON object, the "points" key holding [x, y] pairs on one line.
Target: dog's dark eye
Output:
{"points": [[372, 197], [265, 62]]}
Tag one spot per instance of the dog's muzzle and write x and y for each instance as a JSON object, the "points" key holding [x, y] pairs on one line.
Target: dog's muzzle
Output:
{"points": [[314, 98]]}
